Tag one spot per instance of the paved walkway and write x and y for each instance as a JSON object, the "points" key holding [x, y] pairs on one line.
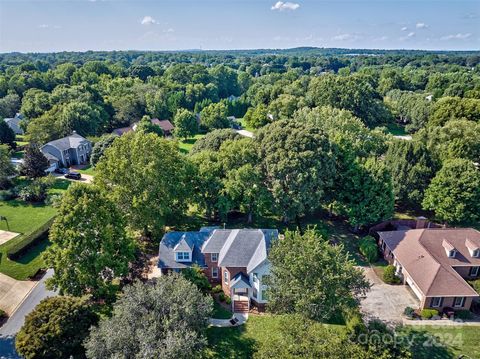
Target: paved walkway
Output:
{"points": [[384, 301], [15, 322], [224, 323], [442, 323], [12, 292]]}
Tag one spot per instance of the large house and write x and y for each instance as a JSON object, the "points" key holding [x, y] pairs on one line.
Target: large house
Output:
{"points": [[234, 258], [14, 123], [436, 264], [67, 151]]}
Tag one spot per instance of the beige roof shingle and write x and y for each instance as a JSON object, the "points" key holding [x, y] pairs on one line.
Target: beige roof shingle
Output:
{"points": [[422, 253]]}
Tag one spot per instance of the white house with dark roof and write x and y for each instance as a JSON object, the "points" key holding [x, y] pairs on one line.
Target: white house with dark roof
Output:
{"points": [[235, 258], [67, 151]]}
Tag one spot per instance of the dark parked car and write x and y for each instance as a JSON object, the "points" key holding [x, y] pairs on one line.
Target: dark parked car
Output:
{"points": [[62, 171], [73, 175]]}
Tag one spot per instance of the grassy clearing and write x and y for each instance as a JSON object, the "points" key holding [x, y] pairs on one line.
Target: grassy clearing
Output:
{"points": [[186, 145], [241, 342], [396, 130], [23, 218], [26, 218], [88, 170], [449, 342], [245, 126]]}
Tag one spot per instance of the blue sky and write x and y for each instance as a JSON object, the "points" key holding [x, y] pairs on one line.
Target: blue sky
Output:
{"points": [[79, 25]]}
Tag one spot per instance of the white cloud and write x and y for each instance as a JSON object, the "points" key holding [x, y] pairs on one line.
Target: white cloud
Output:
{"points": [[458, 36], [169, 30], [404, 28], [47, 26], [411, 34], [345, 37], [280, 5], [43, 26], [421, 25], [148, 20]]}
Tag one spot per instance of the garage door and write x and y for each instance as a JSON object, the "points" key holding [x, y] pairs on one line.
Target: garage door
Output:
{"points": [[414, 288]]}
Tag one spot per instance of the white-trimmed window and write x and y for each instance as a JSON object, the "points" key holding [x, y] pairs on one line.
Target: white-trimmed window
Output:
{"points": [[225, 276], [459, 302], [215, 272], [183, 256], [255, 293], [255, 277], [474, 271], [452, 253], [436, 302], [476, 253], [214, 257]]}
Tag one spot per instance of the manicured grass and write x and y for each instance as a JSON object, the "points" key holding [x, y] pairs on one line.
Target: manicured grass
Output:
{"points": [[396, 130], [21, 140], [88, 170], [23, 218], [242, 341], [456, 341], [219, 312], [379, 268], [186, 145]]}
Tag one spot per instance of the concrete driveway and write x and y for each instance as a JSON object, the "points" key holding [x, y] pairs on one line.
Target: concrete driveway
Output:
{"points": [[12, 292], [386, 302], [85, 178]]}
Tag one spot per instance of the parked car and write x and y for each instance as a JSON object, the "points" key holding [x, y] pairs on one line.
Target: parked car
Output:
{"points": [[73, 175], [62, 171]]}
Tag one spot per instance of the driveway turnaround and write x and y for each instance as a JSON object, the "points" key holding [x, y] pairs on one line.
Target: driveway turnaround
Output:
{"points": [[386, 302], [12, 292]]}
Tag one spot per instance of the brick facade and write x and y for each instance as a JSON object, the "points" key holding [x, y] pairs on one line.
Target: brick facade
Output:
{"points": [[209, 270]]}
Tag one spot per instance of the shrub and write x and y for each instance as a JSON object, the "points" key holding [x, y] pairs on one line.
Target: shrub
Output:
{"points": [[428, 313], [354, 323], [409, 311], [228, 300], [8, 194], [3, 314], [37, 190], [389, 275], [221, 297], [463, 314], [195, 275], [476, 285], [217, 289], [28, 240], [368, 248]]}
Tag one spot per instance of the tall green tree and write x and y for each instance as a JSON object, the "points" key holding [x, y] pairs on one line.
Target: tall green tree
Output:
{"points": [[412, 169], [366, 195], [299, 166], [99, 148], [6, 168], [167, 319], [454, 193], [147, 177], [90, 248], [214, 116], [454, 108], [7, 136], [34, 162], [56, 328], [214, 139], [186, 124], [312, 278], [146, 126]]}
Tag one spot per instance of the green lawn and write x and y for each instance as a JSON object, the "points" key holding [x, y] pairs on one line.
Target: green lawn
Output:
{"points": [[186, 145], [26, 218], [219, 312], [23, 218], [450, 342], [88, 170], [396, 130], [21, 140], [240, 342], [244, 125]]}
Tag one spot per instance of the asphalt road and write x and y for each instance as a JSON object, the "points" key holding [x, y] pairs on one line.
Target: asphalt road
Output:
{"points": [[15, 322]]}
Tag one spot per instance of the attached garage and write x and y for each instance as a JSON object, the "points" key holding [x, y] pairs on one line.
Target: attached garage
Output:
{"points": [[414, 288]]}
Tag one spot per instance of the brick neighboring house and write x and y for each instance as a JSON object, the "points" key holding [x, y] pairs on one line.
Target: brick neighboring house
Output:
{"points": [[436, 263], [234, 258]]}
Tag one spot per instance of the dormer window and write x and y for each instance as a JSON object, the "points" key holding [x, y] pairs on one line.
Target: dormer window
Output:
{"points": [[476, 253], [473, 248], [183, 256], [449, 249]]}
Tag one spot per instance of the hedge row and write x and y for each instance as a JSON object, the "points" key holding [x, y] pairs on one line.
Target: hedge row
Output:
{"points": [[28, 240]]}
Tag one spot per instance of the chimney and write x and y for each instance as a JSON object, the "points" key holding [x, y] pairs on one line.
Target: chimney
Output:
{"points": [[421, 222]]}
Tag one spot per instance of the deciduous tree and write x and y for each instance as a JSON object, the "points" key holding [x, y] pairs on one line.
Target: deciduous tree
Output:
{"points": [[90, 248]]}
